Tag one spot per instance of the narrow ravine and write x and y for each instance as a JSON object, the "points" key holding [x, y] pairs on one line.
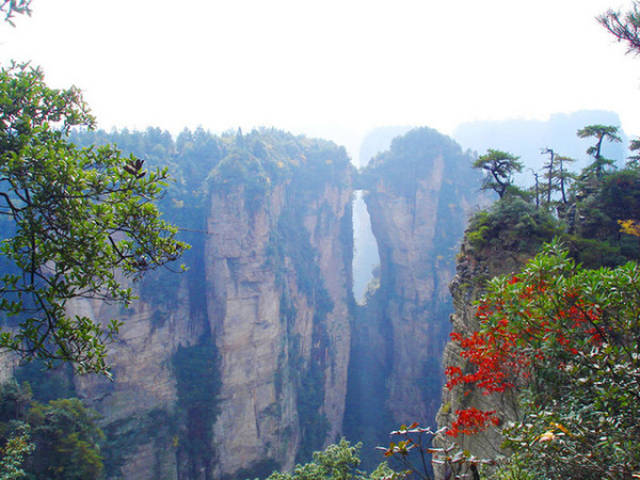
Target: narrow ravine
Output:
{"points": [[365, 249]]}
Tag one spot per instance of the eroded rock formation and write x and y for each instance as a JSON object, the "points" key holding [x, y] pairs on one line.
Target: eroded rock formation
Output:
{"points": [[239, 366], [242, 364], [419, 196]]}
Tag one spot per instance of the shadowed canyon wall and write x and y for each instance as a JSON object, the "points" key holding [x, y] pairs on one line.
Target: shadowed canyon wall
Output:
{"points": [[258, 354], [245, 356], [420, 194]]}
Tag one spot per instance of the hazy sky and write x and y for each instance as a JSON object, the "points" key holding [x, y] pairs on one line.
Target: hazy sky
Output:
{"points": [[333, 68]]}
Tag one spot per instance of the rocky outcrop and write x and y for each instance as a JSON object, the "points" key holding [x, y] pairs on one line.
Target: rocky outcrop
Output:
{"points": [[418, 224], [246, 321], [477, 262], [474, 268], [143, 386], [419, 195], [278, 291], [238, 366], [241, 365]]}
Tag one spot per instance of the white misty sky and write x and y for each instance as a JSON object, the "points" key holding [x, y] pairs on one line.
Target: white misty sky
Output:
{"points": [[329, 68]]}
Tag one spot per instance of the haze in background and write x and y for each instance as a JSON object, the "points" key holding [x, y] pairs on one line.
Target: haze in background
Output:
{"points": [[526, 139], [329, 68]]}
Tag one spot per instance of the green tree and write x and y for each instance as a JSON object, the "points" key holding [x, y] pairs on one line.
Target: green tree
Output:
{"points": [[600, 133], [57, 440], [500, 167], [337, 462], [66, 436], [15, 434], [75, 223], [634, 159], [13, 453]]}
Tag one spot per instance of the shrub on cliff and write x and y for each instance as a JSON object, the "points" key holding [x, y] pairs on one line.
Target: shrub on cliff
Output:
{"points": [[514, 223], [56, 440], [567, 338]]}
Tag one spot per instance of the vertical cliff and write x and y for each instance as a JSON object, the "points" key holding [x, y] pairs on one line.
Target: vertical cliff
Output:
{"points": [[474, 267], [278, 288], [238, 366], [419, 195], [138, 406], [257, 355], [498, 242]]}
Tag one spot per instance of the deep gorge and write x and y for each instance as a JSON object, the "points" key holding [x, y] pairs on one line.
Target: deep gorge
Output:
{"points": [[259, 353]]}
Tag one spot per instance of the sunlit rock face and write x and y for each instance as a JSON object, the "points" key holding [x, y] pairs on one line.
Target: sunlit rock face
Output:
{"points": [[266, 301], [268, 324], [244, 315]]}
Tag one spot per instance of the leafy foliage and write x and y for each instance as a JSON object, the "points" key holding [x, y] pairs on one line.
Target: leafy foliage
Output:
{"points": [[512, 222], [66, 437], [500, 167], [568, 337], [585, 215], [57, 440], [337, 462], [74, 218], [600, 133], [415, 441], [16, 447]]}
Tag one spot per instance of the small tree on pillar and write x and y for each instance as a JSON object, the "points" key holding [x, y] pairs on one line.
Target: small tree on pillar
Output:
{"points": [[500, 167]]}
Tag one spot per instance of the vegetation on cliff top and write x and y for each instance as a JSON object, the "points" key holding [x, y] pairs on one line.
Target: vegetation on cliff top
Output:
{"points": [[562, 337], [581, 209], [411, 159]]}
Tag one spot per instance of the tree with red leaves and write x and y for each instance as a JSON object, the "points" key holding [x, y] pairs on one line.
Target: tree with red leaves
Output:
{"points": [[566, 340]]}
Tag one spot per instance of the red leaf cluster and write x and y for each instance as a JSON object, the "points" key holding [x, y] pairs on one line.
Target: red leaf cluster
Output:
{"points": [[471, 421], [502, 353]]}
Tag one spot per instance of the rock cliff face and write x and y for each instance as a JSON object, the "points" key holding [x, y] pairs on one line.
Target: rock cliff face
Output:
{"points": [[270, 325], [475, 265], [418, 225], [244, 315], [139, 404], [258, 355], [473, 269], [239, 366], [419, 195]]}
